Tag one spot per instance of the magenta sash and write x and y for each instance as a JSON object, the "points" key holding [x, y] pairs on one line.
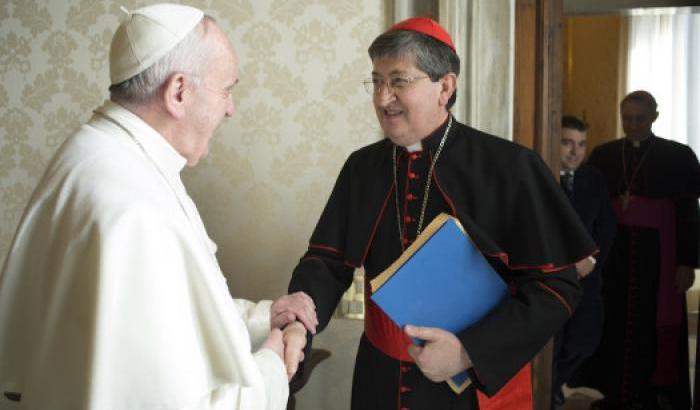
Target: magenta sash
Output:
{"points": [[660, 214]]}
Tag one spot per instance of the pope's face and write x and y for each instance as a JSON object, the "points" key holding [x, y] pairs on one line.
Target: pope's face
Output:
{"points": [[637, 118], [212, 100], [411, 112], [573, 148]]}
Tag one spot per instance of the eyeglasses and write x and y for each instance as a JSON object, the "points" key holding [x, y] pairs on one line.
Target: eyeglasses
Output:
{"points": [[393, 84]]}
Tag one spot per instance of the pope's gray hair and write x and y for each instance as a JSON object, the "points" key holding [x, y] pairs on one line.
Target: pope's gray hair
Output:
{"points": [[189, 56]]}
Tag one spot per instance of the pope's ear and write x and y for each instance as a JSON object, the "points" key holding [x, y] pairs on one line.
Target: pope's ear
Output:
{"points": [[448, 84], [174, 93]]}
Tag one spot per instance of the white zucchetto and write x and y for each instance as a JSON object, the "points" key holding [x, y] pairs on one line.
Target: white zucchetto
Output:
{"points": [[148, 34]]}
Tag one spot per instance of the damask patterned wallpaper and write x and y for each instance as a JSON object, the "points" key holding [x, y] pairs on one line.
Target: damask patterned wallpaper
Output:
{"points": [[301, 110]]}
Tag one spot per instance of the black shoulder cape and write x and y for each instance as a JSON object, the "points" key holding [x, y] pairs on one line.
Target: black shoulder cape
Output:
{"points": [[504, 195]]}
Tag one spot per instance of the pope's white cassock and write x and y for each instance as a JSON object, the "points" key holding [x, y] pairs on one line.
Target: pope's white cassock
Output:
{"points": [[111, 296]]}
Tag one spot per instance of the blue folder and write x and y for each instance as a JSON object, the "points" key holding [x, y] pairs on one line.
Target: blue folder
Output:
{"points": [[441, 280]]}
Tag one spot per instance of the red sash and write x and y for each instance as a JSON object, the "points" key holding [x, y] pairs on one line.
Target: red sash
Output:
{"points": [[386, 336]]}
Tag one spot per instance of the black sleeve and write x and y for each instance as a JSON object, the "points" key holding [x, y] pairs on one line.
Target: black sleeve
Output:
{"points": [[687, 232], [322, 272], [687, 208], [324, 276], [604, 225], [516, 330]]}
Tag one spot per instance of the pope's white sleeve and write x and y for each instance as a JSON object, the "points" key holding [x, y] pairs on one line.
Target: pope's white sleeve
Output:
{"points": [[271, 395], [257, 319], [274, 375]]}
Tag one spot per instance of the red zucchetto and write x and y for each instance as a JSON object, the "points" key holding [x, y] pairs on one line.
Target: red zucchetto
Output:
{"points": [[426, 26]]}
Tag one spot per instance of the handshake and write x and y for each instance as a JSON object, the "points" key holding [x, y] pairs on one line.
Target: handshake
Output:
{"points": [[290, 318]]}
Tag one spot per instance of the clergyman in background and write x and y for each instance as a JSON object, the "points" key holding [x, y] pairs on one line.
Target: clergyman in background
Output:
{"points": [[654, 185]]}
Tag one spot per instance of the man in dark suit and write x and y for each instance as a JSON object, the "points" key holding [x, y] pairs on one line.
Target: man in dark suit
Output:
{"points": [[585, 186]]}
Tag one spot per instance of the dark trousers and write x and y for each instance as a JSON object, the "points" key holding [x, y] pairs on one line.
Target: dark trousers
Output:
{"points": [[575, 342]]}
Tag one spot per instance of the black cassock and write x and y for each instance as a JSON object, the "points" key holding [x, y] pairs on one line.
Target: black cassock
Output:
{"points": [[514, 210], [643, 354]]}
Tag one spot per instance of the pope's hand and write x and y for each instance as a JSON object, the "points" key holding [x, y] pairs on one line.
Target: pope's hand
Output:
{"points": [[294, 337], [274, 342], [441, 357], [295, 307]]}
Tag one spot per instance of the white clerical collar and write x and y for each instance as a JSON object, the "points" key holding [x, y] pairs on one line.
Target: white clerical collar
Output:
{"points": [[155, 145], [415, 147], [637, 143]]}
